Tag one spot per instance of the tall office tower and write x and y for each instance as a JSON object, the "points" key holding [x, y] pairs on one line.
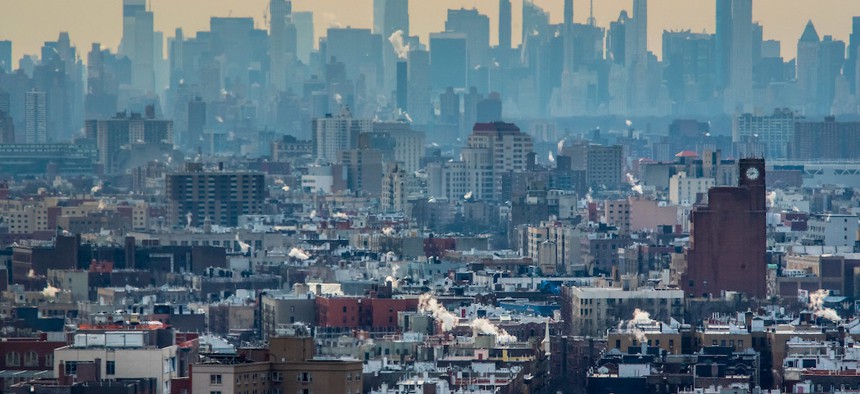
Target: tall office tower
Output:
{"points": [[363, 170], [831, 60], [304, 23], [728, 238], [852, 62], [640, 19], [7, 126], [390, 16], [6, 56], [220, 196], [196, 123], [568, 37], [36, 117], [282, 41], [723, 43], [402, 85], [419, 99], [808, 66], [138, 43], [334, 134], [449, 110], [448, 60], [476, 27], [535, 20], [505, 25], [130, 8], [741, 69]]}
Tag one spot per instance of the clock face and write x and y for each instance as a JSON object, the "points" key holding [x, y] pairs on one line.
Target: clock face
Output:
{"points": [[752, 173]]}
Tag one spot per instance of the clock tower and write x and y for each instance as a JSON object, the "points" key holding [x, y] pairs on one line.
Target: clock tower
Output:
{"points": [[728, 238], [752, 176]]}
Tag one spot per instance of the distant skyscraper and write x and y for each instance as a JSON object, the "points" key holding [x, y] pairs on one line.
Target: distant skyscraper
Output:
{"points": [[852, 62], [304, 22], [196, 123], [6, 56], [568, 37], [36, 117], [504, 25], [282, 41], [390, 16], [448, 60], [476, 27], [723, 43], [138, 43], [808, 66], [741, 67], [535, 20], [640, 31]]}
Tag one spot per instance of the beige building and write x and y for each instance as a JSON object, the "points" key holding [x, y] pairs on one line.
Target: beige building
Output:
{"points": [[593, 310], [122, 354], [291, 368], [684, 190]]}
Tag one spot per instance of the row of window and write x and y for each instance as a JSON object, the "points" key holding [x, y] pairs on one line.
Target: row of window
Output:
{"points": [[29, 359]]}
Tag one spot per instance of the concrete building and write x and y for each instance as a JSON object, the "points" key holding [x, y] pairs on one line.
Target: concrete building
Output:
{"points": [[288, 365], [281, 310], [398, 143], [334, 134], [144, 353], [832, 230], [126, 131], [686, 191], [219, 196], [363, 170], [593, 310], [775, 131], [36, 118], [500, 148], [603, 165]]}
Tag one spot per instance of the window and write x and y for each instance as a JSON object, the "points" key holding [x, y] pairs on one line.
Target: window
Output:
{"points": [[13, 359], [305, 377], [49, 360], [110, 367], [71, 367], [31, 359], [215, 379]]}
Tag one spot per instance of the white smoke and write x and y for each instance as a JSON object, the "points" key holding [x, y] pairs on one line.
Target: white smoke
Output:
{"points": [[629, 123], [428, 303], [484, 326], [468, 196], [640, 317], [242, 245], [97, 188], [771, 199], [400, 48], [341, 215], [560, 145], [393, 277], [551, 158], [388, 231], [102, 205], [338, 98], [50, 291], [285, 188], [330, 20], [299, 254], [31, 274], [816, 303], [588, 197], [188, 217], [634, 184], [313, 214]]}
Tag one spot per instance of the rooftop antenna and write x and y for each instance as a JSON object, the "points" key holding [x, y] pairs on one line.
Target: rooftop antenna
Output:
{"points": [[591, 20]]}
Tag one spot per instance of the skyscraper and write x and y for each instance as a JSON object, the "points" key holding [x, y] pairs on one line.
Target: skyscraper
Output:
{"points": [[304, 23], [282, 41], [448, 60], [138, 43], [504, 25], [640, 20], [741, 68], [36, 117], [334, 134], [476, 28], [568, 37], [723, 43], [808, 66], [6, 56], [390, 16]]}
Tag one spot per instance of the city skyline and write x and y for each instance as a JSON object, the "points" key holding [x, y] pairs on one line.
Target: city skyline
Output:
{"points": [[29, 26]]}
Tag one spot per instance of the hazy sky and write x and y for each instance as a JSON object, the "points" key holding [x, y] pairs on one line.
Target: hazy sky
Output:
{"points": [[30, 22]]}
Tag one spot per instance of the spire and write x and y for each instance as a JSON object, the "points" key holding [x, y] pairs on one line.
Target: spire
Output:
{"points": [[591, 20], [546, 340], [809, 33], [568, 12]]}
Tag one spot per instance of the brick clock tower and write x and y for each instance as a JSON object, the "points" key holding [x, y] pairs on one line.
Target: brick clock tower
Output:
{"points": [[728, 238]]}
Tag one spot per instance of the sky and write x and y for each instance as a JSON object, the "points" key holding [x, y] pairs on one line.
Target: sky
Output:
{"points": [[29, 23]]}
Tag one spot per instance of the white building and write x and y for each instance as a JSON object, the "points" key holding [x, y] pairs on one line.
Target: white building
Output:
{"points": [[684, 190], [334, 134], [123, 354], [833, 230]]}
